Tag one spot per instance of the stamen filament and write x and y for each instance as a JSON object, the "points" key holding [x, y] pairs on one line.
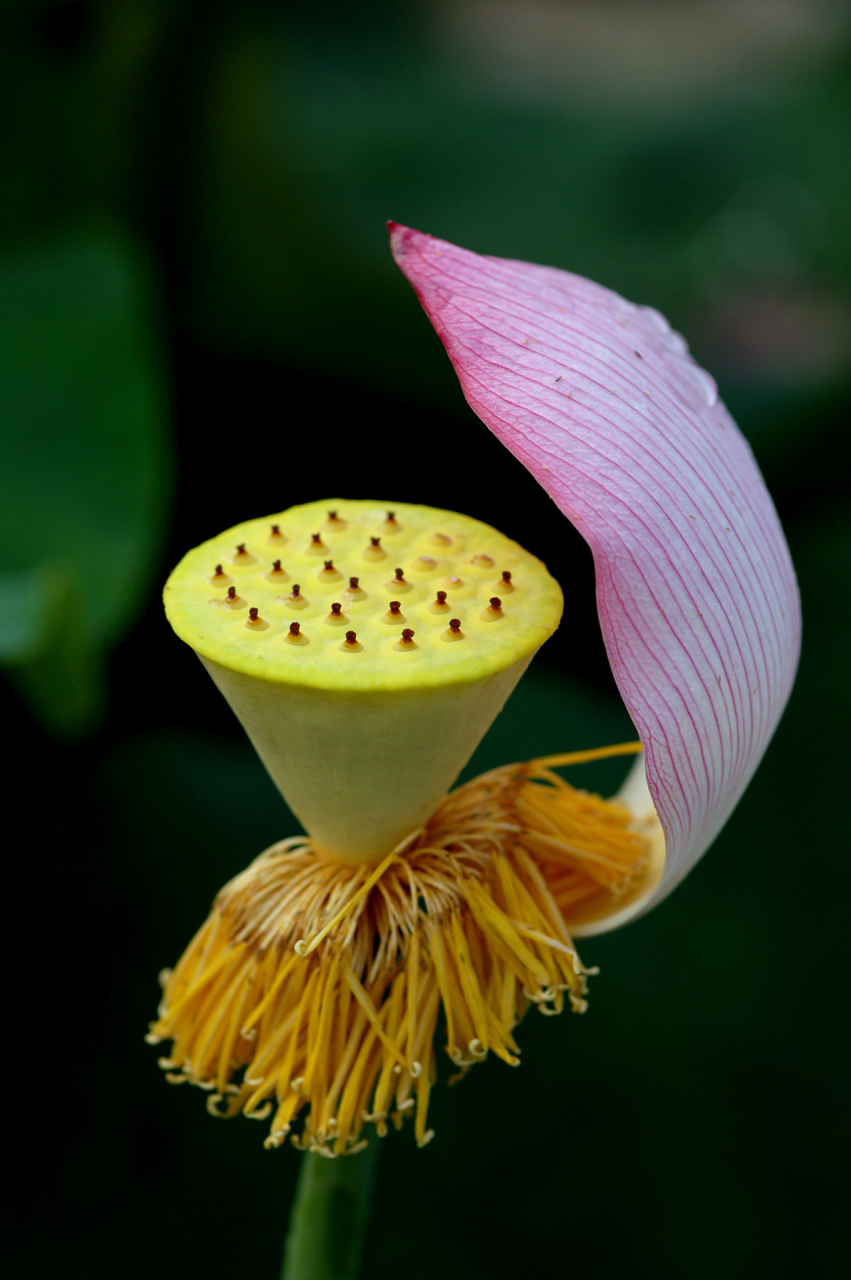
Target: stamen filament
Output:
{"points": [[582, 757], [304, 948]]}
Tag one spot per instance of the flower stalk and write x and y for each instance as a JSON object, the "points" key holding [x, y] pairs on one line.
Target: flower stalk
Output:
{"points": [[329, 1217]]}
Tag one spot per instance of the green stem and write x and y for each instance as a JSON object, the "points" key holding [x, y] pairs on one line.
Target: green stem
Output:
{"points": [[329, 1216]]}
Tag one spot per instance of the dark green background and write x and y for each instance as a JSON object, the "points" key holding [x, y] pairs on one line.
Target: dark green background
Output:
{"points": [[200, 322]]}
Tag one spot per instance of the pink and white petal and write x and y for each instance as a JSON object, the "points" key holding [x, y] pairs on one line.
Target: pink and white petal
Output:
{"points": [[696, 592]]}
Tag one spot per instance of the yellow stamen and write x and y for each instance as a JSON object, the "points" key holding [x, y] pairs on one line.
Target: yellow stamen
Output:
{"points": [[304, 948], [470, 914]]}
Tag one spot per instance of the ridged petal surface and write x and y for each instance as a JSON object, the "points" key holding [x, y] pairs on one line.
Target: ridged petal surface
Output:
{"points": [[696, 593]]}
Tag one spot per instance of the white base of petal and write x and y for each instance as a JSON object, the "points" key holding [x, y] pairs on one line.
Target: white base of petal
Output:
{"points": [[634, 794]]}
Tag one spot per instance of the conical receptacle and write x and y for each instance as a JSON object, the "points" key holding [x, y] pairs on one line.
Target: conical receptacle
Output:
{"points": [[366, 653]]}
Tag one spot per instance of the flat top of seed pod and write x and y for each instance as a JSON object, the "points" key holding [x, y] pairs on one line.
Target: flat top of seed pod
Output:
{"points": [[358, 595]]}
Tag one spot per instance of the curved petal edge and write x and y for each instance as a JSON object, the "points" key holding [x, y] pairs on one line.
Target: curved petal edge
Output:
{"points": [[696, 592]]}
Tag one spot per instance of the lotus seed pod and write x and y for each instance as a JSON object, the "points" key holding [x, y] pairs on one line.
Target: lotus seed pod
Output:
{"points": [[362, 709]]}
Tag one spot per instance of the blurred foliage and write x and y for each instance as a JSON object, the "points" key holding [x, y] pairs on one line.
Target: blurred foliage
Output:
{"points": [[726, 208], [83, 468]]}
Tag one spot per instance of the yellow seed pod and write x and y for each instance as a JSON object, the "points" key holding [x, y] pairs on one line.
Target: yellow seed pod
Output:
{"points": [[364, 702]]}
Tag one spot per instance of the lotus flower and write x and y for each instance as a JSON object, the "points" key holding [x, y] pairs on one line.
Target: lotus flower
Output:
{"points": [[696, 592], [313, 992]]}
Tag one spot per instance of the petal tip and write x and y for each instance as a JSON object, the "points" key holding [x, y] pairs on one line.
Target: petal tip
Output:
{"points": [[404, 240]]}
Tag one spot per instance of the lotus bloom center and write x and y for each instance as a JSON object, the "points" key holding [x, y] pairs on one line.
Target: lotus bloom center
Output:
{"points": [[366, 649]]}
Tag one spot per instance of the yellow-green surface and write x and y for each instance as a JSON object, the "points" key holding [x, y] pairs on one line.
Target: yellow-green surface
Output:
{"points": [[437, 550], [363, 743]]}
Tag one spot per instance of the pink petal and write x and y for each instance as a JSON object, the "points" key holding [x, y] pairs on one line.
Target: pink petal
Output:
{"points": [[696, 592]]}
